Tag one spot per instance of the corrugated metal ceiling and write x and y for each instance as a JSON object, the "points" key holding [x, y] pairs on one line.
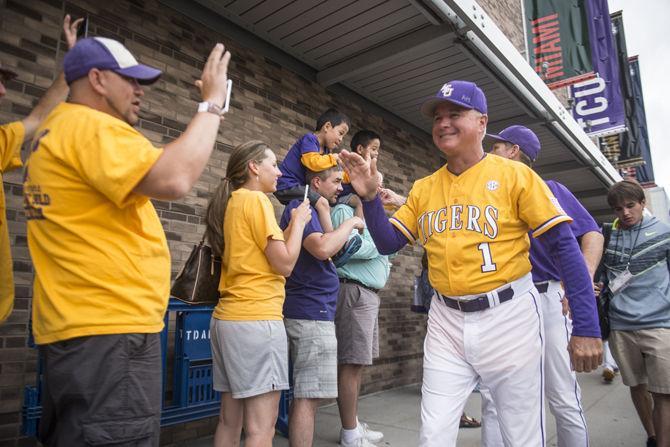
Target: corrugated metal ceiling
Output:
{"points": [[395, 53]]}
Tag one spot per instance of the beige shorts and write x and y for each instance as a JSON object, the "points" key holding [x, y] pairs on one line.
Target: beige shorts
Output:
{"points": [[356, 325], [250, 357], [643, 357], [313, 350]]}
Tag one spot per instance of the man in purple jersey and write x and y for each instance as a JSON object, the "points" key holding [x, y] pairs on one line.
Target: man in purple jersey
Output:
{"points": [[561, 389]]}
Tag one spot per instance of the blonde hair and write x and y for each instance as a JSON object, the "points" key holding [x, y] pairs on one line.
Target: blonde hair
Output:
{"points": [[237, 174]]}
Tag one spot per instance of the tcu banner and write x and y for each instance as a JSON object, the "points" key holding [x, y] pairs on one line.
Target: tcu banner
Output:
{"points": [[598, 104]]}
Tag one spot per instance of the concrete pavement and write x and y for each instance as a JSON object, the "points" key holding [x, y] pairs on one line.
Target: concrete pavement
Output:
{"points": [[609, 411]]}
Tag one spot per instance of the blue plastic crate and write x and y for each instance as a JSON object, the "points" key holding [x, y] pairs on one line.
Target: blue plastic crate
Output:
{"points": [[31, 411], [200, 388]]}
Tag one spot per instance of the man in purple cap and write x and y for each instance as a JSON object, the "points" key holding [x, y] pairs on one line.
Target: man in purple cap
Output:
{"points": [[12, 136], [473, 216], [561, 388], [102, 265]]}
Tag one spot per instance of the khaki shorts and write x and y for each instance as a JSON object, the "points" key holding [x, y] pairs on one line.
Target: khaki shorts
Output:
{"points": [[313, 349], [250, 357], [356, 325], [643, 357]]}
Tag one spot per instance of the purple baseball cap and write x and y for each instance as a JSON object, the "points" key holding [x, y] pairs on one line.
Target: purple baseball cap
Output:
{"points": [[522, 137], [463, 93], [105, 54]]}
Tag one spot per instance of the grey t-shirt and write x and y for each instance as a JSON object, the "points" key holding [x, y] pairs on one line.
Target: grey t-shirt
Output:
{"points": [[645, 250]]}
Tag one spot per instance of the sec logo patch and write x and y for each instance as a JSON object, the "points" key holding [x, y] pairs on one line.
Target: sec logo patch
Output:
{"points": [[492, 185]]}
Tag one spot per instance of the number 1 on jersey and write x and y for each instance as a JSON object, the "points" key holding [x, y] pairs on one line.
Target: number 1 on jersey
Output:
{"points": [[488, 265]]}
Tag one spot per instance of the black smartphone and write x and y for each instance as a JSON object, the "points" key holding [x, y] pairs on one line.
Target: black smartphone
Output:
{"points": [[82, 31]]}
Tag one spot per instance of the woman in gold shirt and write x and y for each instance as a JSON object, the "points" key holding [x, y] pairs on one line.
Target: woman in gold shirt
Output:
{"points": [[249, 344]]}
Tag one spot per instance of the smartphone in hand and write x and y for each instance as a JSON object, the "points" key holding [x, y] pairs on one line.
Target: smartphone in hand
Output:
{"points": [[229, 89]]}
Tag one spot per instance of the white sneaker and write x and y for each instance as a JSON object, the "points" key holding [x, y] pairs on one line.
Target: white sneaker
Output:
{"points": [[359, 442], [371, 435]]}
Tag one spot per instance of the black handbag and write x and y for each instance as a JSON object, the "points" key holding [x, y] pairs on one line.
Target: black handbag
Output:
{"points": [[603, 312], [605, 296], [198, 281]]}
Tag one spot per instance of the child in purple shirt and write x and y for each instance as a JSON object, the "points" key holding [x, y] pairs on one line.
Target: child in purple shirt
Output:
{"points": [[312, 151]]}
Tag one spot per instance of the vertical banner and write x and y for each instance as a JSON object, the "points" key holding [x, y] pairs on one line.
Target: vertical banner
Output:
{"points": [[628, 148], [638, 122], [598, 104], [558, 41]]}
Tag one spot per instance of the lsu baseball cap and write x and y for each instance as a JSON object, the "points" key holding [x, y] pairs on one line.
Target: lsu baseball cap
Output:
{"points": [[105, 54], [6, 73], [522, 137], [463, 93]]}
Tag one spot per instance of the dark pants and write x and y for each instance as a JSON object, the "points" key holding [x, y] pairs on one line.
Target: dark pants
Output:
{"points": [[102, 390]]}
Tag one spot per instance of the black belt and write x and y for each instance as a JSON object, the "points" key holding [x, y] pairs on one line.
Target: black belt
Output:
{"points": [[358, 283], [542, 287], [479, 303]]}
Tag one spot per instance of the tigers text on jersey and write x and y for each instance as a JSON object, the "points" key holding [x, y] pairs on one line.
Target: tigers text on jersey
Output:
{"points": [[474, 225]]}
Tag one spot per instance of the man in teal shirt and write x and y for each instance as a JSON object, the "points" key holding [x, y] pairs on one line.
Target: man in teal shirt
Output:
{"points": [[356, 323]]}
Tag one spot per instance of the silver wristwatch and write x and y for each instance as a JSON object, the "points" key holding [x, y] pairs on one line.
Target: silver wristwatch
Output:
{"points": [[210, 107]]}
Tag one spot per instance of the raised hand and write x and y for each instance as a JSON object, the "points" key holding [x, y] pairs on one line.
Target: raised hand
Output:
{"points": [[212, 83], [362, 173], [302, 213], [70, 30]]}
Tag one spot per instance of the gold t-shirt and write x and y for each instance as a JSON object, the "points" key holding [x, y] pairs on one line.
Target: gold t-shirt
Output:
{"points": [[102, 264], [250, 289], [11, 138]]}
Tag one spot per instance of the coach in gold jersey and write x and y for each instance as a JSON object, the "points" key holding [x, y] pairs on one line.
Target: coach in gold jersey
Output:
{"points": [[472, 216]]}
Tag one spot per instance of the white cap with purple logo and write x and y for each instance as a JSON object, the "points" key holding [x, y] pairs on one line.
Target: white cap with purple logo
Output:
{"points": [[462, 93], [105, 54]]}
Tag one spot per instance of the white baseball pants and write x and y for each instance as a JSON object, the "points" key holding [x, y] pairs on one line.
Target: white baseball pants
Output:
{"points": [[561, 388], [503, 347]]}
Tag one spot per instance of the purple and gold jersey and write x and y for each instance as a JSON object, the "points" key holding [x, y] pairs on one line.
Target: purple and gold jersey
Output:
{"points": [[475, 224]]}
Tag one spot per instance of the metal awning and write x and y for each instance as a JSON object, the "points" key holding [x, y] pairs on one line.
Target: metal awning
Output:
{"points": [[395, 53]]}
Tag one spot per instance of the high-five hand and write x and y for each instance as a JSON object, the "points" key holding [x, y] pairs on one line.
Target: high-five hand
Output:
{"points": [[212, 83], [362, 173], [70, 30]]}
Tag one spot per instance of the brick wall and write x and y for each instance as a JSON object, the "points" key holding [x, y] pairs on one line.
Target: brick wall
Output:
{"points": [[269, 102], [507, 15]]}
